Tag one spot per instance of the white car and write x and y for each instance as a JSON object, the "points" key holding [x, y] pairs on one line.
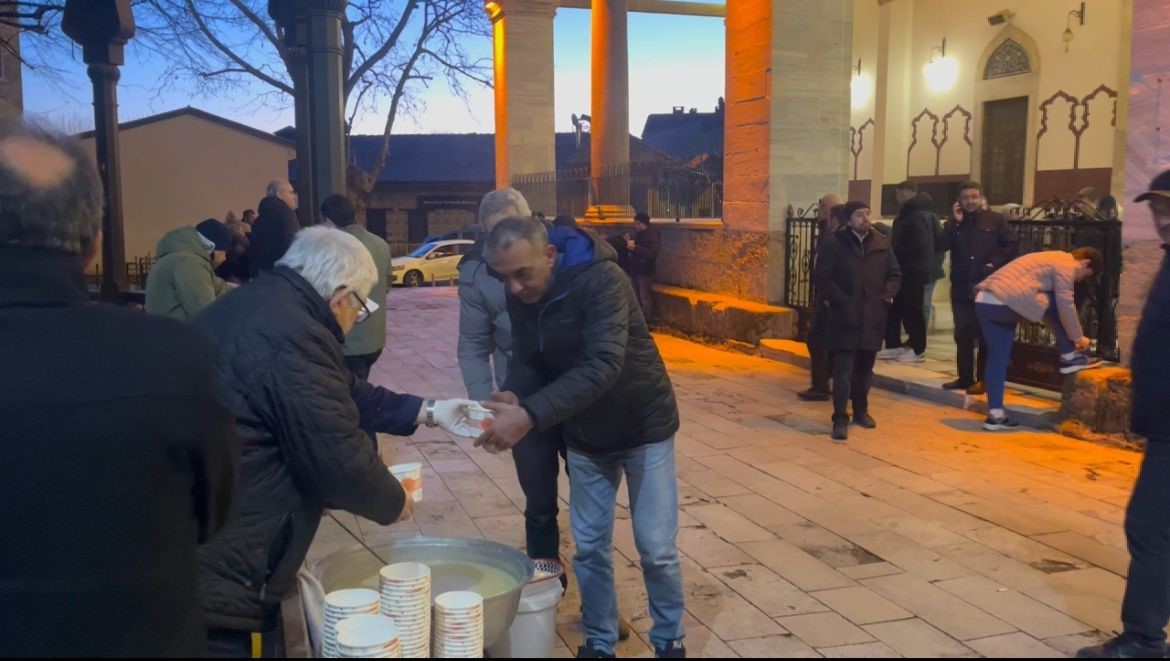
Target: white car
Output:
{"points": [[434, 262]]}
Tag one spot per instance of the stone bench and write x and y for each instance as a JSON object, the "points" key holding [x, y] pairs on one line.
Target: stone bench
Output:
{"points": [[720, 316]]}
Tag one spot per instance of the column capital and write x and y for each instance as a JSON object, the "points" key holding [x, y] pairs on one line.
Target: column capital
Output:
{"points": [[497, 9]]}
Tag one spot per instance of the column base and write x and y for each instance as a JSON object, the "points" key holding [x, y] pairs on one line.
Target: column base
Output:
{"points": [[610, 212]]}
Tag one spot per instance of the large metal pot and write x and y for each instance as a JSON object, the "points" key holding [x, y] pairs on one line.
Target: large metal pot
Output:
{"points": [[338, 571]]}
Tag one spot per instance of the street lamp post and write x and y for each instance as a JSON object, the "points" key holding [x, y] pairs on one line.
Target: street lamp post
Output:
{"points": [[101, 28], [291, 19]]}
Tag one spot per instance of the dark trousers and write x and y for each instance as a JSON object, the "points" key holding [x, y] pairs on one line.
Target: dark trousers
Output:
{"points": [[1145, 609], [644, 288], [967, 336], [852, 378], [907, 311], [361, 366], [236, 644], [538, 462], [818, 353]]}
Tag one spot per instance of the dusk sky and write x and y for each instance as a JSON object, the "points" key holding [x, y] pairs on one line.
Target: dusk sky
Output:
{"points": [[674, 61]]}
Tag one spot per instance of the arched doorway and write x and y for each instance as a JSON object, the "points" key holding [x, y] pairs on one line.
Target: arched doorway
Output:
{"points": [[1006, 100]]}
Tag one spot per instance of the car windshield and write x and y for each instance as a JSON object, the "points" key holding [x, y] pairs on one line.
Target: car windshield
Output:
{"points": [[422, 252]]}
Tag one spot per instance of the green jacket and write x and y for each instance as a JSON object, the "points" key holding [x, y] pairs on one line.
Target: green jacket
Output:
{"points": [[182, 281], [370, 335]]}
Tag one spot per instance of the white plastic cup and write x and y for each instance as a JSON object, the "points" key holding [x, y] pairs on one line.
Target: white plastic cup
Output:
{"points": [[410, 475]]}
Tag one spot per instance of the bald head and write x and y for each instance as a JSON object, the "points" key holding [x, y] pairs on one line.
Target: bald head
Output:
{"points": [[50, 194], [825, 206]]}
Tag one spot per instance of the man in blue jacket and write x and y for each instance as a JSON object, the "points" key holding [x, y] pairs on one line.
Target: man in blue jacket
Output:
{"points": [[1145, 610], [583, 358]]}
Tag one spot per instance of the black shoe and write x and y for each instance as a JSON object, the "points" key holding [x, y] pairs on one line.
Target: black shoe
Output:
{"points": [[840, 429], [977, 388], [674, 650], [957, 384], [864, 420], [1000, 424], [586, 652], [814, 395], [1123, 647], [623, 630]]}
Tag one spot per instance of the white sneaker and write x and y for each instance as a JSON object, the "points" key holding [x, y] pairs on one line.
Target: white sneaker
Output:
{"points": [[910, 357], [892, 354]]}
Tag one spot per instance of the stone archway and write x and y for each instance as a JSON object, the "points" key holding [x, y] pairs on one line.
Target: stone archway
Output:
{"points": [[1008, 68]]}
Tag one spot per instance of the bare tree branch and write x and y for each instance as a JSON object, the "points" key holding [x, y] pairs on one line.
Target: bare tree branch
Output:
{"points": [[384, 50], [270, 34], [210, 35]]}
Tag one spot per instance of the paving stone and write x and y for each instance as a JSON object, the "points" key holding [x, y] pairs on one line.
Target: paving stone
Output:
{"points": [[1018, 610], [1088, 549], [824, 629], [765, 590], [760, 510], [917, 639], [728, 524], [706, 548], [771, 647], [1013, 646], [941, 609], [872, 570], [861, 605], [898, 550], [798, 567], [862, 651]]}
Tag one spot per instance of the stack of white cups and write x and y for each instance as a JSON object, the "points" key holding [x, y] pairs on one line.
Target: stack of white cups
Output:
{"points": [[459, 625], [342, 604], [368, 637], [406, 599]]}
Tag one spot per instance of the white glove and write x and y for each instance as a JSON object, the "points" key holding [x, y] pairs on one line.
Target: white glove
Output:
{"points": [[451, 416]]}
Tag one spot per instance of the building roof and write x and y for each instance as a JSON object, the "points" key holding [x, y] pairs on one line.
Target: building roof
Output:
{"points": [[686, 134], [201, 114], [464, 157]]}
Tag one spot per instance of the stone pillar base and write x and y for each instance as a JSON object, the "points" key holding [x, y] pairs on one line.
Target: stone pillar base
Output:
{"points": [[1095, 405], [610, 212]]}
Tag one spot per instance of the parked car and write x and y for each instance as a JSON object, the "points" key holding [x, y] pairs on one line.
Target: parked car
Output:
{"points": [[436, 261]]}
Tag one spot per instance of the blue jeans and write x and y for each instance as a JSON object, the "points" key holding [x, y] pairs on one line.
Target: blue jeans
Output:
{"points": [[999, 330], [654, 510]]}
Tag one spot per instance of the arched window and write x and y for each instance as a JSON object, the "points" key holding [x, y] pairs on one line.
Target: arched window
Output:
{"points": [[1010, 59]]}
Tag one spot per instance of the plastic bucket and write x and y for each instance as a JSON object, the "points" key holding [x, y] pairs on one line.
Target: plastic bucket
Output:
{"points": [[534, 631]]}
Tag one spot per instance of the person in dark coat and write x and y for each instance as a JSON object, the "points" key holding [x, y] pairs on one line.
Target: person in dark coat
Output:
{"points": [[1145, 609], [644, 247], [564, 220], [912, 241], [274, 229], [857, 278], [980, 241], [829, 220], [583, 358], [300, 415], [119, 456]]}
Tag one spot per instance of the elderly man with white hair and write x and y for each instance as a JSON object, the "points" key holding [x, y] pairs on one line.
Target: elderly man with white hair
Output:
{"points": [[300, 414], [275, 227]]}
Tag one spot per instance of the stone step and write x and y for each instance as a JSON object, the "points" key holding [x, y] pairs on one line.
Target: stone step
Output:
{"points": [[720, 316], [924, 381]]}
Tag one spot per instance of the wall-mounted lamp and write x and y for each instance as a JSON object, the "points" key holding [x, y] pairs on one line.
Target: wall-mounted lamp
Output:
{"points": [[1068, 33], [941, 72], [860, 88]]}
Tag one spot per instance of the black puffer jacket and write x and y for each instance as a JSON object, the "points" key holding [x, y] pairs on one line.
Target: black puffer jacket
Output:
{"points": [[913, 237], [583, 355], [299, 414], [979, 246], [855, 280], [272, 234]]}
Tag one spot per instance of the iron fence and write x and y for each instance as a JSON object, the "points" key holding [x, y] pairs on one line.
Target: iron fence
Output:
{"points": [[136, 271], [802, 231], [661, 190]]}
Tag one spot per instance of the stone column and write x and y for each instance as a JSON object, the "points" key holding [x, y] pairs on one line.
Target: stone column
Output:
{"points": [[1146, 148], [522, 47], [326, 104], [609, 127], [787, 123], [891, 105]]}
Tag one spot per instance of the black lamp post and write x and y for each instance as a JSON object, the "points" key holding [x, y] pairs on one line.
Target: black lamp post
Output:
{"points": [[101, 28]]}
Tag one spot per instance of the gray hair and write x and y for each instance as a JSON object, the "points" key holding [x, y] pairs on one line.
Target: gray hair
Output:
{"points": [[331, 259], [50, 194], [274, 187], [517, 228], [500, 204]]}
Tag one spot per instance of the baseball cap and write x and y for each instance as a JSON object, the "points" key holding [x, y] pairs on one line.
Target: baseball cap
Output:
{"points": [[1159, 185]]}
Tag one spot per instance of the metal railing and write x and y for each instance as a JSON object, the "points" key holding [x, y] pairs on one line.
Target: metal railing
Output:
{"points": [[1052, 226], [661, 190], [136, 271]]}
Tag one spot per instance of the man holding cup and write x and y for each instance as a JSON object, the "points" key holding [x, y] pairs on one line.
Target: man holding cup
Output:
{"points": [[583, 358]]}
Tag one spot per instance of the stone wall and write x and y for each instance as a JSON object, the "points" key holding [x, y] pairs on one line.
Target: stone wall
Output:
{"points": [[1142, 260]]}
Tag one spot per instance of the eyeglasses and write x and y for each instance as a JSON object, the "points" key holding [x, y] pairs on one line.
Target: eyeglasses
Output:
{"points": [[365, 312]]}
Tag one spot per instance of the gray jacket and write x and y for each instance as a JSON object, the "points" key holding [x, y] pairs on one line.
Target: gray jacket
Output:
{"points": [[485, 332]]}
